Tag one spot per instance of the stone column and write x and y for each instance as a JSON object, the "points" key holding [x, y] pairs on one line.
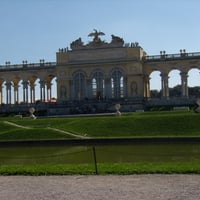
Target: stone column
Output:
{"points": [[101, 87], [1, 94], [146, 86], [49, 93], [125, 87], [108, 92], [70, 89], [73, 96], [165, 87], [184, 84], [42, 90], [88, 91], [16, 93], [25, 91], [32, 92], [8, 92]]}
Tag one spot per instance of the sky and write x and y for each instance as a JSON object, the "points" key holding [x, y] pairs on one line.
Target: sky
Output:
{"points": [[35, 29]]}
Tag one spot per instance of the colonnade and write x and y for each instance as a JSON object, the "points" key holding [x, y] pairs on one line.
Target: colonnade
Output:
{"points": [[10, 92], [165, 85]]}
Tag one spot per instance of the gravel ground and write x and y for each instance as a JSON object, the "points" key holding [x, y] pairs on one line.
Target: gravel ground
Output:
{"points": [[112, 187]]}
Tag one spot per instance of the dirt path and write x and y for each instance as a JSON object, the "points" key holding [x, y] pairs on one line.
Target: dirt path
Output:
{"points": [[133, 187], [68, 133], [55, 129], [16, 125]]}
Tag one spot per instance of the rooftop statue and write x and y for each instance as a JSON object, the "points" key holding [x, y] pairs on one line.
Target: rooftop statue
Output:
{"points": [[96, 34], [76, 44], [97, 42], [117, 40]]}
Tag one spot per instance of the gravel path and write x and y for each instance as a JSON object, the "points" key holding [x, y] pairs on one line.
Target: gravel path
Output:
{"points": [[16, 125], [131, 187], [55, 129]]}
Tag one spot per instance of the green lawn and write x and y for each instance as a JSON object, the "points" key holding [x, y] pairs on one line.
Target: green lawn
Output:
{"points": [[103, 168], [147, 124], [9, 132], [127, 159]]}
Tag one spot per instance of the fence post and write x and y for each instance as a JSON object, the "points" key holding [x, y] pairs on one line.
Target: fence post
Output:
{"points": [[95, 159]]}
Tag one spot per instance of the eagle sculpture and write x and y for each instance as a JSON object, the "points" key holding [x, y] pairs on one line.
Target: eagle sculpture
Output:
{"points": [[96, 34]]}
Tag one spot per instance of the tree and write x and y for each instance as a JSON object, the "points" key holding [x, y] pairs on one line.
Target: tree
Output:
{"points": [[194, 91], [155, 93], [175, 91]]}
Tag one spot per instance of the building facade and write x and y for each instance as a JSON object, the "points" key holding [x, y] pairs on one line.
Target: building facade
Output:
{"points": [[97, 71], [100, 70]]}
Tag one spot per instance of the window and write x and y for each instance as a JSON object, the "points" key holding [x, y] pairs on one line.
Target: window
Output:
{"points": [[98, 85], [117, 84], [79, 85]]}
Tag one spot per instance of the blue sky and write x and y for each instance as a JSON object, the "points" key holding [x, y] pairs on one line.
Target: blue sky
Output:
{"points": [[35, 29]]}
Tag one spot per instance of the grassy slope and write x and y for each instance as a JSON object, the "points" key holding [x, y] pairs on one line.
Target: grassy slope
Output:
{"points": [[156, 124], [9, 132], [139, 124]]}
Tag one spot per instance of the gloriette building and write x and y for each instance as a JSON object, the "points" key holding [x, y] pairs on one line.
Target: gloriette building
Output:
{"points": [[93, 77]]}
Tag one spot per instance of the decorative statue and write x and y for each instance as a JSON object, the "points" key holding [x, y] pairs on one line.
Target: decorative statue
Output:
{"points": [[97, 42], [117, 107], [76, 44], [32, 110], [197, 107], [96, 34], [116, 39]]}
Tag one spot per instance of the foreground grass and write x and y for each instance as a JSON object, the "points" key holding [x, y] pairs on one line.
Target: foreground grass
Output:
{"points": [[158, 124], [103, 169]]}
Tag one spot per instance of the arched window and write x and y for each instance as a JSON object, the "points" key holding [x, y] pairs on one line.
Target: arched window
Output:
{"points": [[79, 85], [117, 84], [98, 85]]}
